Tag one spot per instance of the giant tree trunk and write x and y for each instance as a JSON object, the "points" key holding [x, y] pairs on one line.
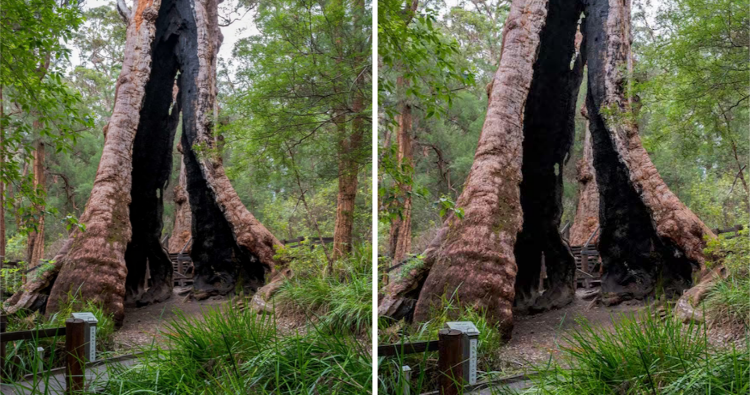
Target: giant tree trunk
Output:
{"points": [[649, 238], [473, 257], [586, 220], [106, 262], [400, 234], [35, 241], [487, 260], [183, 218]]}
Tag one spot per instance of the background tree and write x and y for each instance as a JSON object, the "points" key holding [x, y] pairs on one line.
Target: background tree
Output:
{"points": [[293, 92]]}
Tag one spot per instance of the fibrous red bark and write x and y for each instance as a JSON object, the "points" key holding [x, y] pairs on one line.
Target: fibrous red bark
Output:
{"points": [[488, 260], [400, 234], [183, 217], [649, 238], [586, 220], [35, 240], [106, 262], [473, 257]]}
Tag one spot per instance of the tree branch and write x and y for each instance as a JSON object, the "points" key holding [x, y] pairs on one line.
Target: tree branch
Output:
{"points": [[124, 11]]}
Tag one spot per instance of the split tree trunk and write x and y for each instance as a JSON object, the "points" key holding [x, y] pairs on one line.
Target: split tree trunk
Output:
{"points": [[106, 262], [487, 260], [400, 234], [649, 238], [35, 241], [183, 218], [548, 134], [587, 212], [473, 257]]}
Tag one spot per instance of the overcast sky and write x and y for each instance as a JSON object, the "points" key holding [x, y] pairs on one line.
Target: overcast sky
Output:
{"points": [[241, 28]]}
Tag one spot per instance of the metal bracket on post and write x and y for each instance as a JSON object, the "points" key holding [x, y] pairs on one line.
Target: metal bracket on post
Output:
{"points": [[90, 334], [471, 344]]}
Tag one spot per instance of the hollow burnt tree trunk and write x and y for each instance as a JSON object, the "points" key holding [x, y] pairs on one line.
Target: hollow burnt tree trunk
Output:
{"points": [[587, 212], [105, 263], [92, 263], [183, 218], [221, 219], [548, 134], [649, 239], [473, 257]]}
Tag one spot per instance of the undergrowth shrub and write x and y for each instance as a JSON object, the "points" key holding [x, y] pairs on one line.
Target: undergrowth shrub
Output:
{"points": [[232, 352], [728, 302], [643, 354], [340, 301]]}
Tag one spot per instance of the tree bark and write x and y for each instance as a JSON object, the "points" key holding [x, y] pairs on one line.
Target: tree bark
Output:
{"points": [[548, 134], [106, 262], [472, 257], [400, 234], [35, 241], [586, 220], [487, 260], [2, 182], [650, 242], [183, 218], [349, 149], [222, 219]]}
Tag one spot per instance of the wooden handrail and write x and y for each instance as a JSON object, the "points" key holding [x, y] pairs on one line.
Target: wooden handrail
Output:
{"points": [[32, 334], [387, 350]]}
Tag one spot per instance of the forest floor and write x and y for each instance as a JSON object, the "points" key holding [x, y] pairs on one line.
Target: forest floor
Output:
{"points": [[145, 325], [537, 337]]}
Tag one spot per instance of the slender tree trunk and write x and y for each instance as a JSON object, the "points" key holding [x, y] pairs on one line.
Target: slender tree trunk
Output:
{"points": [[35, 241], [649, 238], [2, 182], [349, 148], [400, 234], [183, 218], [587, 212]]}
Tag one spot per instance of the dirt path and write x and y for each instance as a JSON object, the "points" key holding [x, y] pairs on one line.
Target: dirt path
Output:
{"points": [[536, 337], [143, 325]]}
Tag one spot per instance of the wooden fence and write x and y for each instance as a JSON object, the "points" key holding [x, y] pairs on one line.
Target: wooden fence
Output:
{"points": [[75, 344], [450, 348], [452, 358]]}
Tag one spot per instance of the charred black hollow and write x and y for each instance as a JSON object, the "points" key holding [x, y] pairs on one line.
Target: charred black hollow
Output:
{"points": [[636, 260], [152, 166], [549, 130], [221, 265]]}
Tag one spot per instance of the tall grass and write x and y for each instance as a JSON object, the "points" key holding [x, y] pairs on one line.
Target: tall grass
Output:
{"points": [[242, 353], [644, 355], [340, 301]]}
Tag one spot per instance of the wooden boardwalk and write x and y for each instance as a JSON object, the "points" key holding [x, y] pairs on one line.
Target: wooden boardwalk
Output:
{"points": [[54, 383]]}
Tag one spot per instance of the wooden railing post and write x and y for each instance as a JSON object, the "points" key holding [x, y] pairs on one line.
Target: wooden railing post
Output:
{"points": [[450, 361], [585, 267], [75, 355], [3, 328]]}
